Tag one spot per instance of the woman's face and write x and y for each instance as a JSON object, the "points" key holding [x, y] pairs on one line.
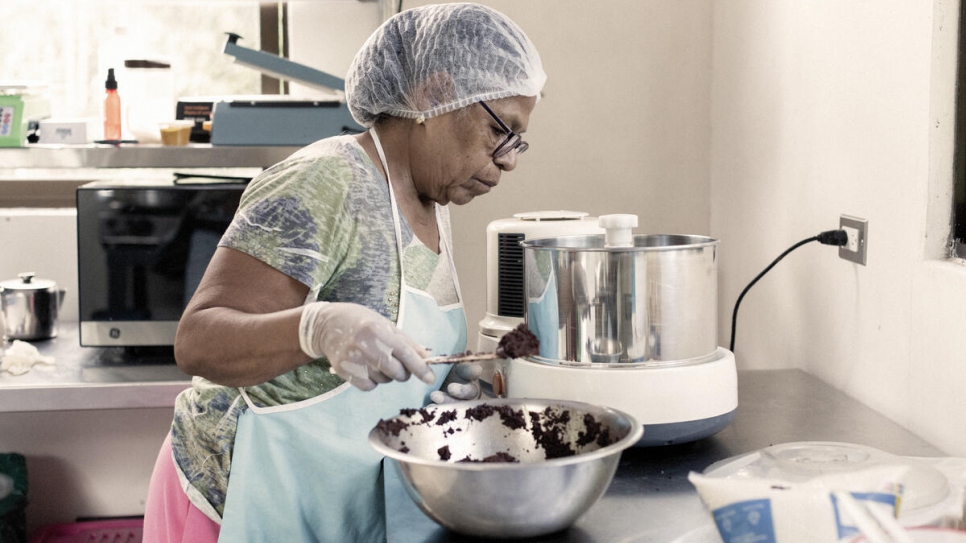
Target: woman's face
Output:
{"points": [[453, 161]]}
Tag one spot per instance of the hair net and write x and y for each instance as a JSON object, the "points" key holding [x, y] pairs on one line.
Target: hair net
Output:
{"points": [[434, 59]]}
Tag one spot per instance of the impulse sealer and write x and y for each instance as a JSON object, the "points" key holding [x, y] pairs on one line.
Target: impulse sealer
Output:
{"points": [[279, 119]]}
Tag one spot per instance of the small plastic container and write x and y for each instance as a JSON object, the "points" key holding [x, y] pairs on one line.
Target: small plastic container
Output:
{"points": [[148, 96], [175, 133]]}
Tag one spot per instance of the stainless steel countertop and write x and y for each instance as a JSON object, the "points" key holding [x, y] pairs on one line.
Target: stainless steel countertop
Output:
{"points": [[195, 155], [650, 498], [92, 378]]}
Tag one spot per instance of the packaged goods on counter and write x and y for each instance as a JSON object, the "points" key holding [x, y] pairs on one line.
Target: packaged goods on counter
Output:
{"points": [[778, 511], [786, 492], [22, 106]]}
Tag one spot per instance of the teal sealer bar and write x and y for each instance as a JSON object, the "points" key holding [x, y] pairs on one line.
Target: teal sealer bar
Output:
{"points": [[280, 119], [281, 68]]}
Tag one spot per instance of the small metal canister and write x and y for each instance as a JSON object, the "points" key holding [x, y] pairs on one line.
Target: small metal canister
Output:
{"points": [[29, 307]]}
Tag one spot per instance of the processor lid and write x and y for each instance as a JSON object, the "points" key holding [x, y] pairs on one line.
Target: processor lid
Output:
{"points": [[554, 215]]}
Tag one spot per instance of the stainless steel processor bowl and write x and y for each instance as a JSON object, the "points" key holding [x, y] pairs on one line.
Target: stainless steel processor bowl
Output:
{"points": [[532, 496], [649, 302]]}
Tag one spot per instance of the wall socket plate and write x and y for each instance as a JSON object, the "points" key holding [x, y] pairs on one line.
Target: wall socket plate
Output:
{"points": [[858, 231]]}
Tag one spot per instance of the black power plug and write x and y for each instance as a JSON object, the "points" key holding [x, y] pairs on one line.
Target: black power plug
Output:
{"points": [[829, 237]]}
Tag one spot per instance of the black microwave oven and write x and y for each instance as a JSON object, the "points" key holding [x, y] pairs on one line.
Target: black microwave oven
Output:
{"points": [[142, 248]]}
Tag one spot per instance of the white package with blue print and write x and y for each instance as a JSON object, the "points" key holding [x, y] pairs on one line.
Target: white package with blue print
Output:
{"points": [[779, 511]]}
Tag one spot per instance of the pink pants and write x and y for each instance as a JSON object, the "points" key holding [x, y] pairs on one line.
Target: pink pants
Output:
{"points": [[169, 516]]}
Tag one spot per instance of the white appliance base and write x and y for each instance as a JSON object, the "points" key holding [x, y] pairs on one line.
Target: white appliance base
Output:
{"points": [[675, 404]]}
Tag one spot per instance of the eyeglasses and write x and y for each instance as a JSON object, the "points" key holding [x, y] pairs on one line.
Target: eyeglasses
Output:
{"points": [[513, 140]]}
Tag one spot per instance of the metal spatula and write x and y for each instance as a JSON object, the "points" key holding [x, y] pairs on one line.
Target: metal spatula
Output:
{"points": [[462, 357], [516, 343]]}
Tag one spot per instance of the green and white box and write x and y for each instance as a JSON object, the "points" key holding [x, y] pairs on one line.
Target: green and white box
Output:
{"points": [[16, 112]]}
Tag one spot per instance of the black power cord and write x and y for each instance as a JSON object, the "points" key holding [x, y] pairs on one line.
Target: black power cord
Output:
{"points": [[829, 237]]}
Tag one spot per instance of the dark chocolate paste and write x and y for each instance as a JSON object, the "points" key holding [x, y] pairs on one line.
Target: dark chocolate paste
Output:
{"points": [[446, 417], [518, 343], [547, 428], [444, 453], [392, 426], [500, 457]]}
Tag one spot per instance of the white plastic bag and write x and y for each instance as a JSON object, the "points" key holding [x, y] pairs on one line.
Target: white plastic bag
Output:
{"points": [[21, 357]]}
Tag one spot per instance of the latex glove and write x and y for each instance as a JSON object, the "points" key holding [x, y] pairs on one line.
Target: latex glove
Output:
{"points": [[362, 346], [462, 383]]}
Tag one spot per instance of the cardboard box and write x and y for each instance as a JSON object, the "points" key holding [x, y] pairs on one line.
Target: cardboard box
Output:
{"points": [[68, 131], [16, 112], [197, 109]]}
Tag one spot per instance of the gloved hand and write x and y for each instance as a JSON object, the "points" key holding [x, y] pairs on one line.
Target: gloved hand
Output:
{"points": [[362, 346], [462, 383]]}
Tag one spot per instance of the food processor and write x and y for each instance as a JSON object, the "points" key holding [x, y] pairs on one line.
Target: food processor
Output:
{"points": [[626, 321]]}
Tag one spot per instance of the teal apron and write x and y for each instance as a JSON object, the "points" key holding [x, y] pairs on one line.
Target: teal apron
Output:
{"points": [[305, 472]]}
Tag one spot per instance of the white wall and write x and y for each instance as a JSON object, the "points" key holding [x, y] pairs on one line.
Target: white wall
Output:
{"points": [[830, 107], [326, 34]]}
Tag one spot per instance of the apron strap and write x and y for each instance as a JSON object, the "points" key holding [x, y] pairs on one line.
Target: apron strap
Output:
{"points": [[444, 239]]}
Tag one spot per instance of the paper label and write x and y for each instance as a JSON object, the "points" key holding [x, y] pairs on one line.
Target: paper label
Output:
{"points": [[746, 522], [6, 120], [845, 525]]}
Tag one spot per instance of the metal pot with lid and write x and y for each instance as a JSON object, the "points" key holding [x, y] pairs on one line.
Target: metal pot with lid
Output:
{"points": [[29, 307]]}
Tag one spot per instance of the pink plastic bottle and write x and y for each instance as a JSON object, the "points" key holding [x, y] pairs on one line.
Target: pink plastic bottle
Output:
{"points": [[112, 108]]}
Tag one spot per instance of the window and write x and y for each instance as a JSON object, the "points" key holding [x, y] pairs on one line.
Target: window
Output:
{"points": [[68, 45]]}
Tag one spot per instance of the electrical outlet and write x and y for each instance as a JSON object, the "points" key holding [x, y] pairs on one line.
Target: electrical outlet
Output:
{"points": [[858, 231]]}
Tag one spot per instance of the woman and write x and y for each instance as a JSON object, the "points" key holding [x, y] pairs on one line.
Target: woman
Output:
{"points": [[332, 284]]}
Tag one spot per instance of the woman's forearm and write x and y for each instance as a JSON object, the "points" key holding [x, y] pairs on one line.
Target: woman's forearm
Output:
{"points": [[233, 348]]}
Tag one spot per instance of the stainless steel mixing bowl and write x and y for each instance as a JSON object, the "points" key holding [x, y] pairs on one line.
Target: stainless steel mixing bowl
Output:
{"points": [[533, 496]]}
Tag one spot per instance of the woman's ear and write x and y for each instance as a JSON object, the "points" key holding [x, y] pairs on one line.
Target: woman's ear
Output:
{"points": [[436, 89]]}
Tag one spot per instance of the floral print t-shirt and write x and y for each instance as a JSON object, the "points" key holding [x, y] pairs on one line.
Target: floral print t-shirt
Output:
{"points": [[322, 216]]}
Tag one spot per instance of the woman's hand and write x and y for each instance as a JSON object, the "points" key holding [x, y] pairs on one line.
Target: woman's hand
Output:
{"points": [[463, 383], [363, 347]]}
